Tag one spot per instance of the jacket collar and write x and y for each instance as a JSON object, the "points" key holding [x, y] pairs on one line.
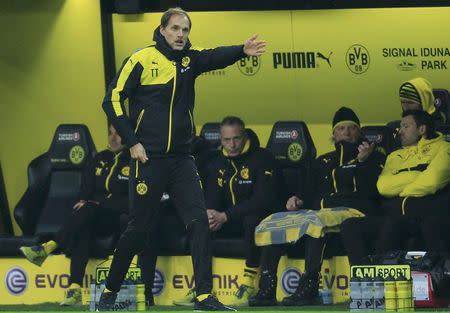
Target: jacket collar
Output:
{"points": [[423, 141]]}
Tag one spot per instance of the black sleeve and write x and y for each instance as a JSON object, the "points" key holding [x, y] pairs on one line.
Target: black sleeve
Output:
{"points": [[217, 58], [367, 172], [315, 181], [122, 87], [263, 198], [214, 195], [88, 180]]}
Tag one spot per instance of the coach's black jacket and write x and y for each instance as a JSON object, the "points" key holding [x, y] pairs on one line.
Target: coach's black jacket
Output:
{"points": [[159, 84], [339, 179], [243, 185], [105, 180]]}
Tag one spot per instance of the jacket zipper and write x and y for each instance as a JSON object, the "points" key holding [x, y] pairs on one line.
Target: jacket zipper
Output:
{"points": [[404, 206], [116, 160], [169, 134], [192, 122], [141, 114], [333, 175], [233, 199]]}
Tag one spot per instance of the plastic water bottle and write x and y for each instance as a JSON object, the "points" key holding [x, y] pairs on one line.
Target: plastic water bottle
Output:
{"points": [[355, 294], [327, 297], [378, 294], [140, 296], [390, 294], [367, 293], [411, 295], [404, 294], [94, 298]]}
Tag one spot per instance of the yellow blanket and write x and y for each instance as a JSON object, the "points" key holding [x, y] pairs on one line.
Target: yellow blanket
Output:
{"points": [[288, 227]]}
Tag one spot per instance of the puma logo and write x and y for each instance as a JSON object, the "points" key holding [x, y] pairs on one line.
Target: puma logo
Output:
{"points": [[321, 56], [153, 62]]}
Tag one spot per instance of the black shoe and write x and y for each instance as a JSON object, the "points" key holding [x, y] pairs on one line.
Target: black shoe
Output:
{"points": [[266, 295], [107, 301], [307, 293], [211, 303]]}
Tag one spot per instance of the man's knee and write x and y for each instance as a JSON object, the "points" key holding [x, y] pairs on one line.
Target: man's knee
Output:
{"points": [[200, 223], [251, 221], [351, 226]]}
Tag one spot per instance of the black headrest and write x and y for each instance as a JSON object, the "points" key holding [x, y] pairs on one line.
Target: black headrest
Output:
{"points": [[445, 130], [72, 145], [253, 137], [291, 143], [211, 133], [442, 102], [381, 135]]}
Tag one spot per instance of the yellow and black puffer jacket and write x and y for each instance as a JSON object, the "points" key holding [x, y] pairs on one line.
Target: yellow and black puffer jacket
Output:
{"points": [[418, 170], [159, 84]]}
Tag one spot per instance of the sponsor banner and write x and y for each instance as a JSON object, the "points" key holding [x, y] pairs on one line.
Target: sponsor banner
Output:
{"points": [[384, 271], [315, 61], [69, 136], [334, 276], [25, 283]]}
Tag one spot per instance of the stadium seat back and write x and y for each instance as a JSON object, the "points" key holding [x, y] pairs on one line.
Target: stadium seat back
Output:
{"points": [[394, 126], [292, 145], [382, 136], [211, 133], [442, 103], [445, 130], [55, 180]]}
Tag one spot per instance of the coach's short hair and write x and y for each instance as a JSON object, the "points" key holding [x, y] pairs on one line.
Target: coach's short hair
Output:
{"points": [[174, 11]]}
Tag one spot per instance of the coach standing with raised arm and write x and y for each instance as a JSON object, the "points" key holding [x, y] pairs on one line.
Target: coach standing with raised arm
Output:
{"points": [[159, 84]]}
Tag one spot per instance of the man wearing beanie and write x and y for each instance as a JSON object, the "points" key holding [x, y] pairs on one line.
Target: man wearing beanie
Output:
{"points": [[345, 177], [417, 94]]}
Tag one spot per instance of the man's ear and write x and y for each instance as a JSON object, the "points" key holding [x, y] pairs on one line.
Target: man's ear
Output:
{"points": [[422, 129], [161, 29]]}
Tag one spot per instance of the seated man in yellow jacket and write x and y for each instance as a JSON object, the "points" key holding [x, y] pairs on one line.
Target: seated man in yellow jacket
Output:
{"points": [[415, 188]]}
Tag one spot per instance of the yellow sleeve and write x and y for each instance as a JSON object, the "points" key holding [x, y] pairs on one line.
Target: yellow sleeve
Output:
{"points": [[434, 178], [390, 183]]}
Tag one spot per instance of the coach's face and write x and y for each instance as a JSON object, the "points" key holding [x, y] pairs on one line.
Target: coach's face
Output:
{"points": [[177, 31]]}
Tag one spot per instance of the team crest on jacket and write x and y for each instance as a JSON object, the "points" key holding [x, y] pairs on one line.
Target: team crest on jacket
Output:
{"points": [[220, 182], [245, 174], [185, 61], [141, 189], [125, 171]]}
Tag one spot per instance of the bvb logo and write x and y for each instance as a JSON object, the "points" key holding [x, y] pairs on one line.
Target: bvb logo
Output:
{"points": [[357, 59], [249, 65], [126, 171], [76, 154], [295, 152], [141, 189], [245, 173], [185, 61]]}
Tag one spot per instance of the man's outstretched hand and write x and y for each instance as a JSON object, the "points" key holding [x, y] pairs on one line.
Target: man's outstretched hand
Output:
{"points": [[253, 47]]}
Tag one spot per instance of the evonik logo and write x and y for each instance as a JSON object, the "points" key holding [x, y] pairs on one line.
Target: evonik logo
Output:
{"points": [[289, 280], [16, 281], [159, 282]]}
